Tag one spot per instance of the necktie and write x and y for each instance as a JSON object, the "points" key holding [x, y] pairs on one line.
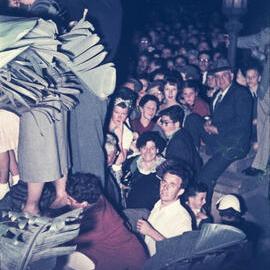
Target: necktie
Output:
{"points": [[219, 98]]}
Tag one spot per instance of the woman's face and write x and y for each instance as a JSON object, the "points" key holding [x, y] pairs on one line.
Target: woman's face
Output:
{"points": [[189, 96], [170, 92], [149, 151], [148, 111], [119, 115]]}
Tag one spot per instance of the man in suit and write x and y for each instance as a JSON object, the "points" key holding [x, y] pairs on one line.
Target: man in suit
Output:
{"points": [[227, 134], [180, 145]]}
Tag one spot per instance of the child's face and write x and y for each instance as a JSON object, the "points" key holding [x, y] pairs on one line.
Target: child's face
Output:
{"points": [[189, 96]]}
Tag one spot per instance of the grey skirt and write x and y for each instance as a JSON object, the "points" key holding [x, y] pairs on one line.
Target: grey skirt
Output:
{"points": [[43, 154]]}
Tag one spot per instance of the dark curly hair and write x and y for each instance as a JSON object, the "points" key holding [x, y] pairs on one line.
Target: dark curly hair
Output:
{"points": [[84, 187], [175, 112], [147, 98], [152, 136]]}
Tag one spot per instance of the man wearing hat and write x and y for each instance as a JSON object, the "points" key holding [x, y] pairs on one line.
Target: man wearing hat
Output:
{"points": [[230, 211], [227, 134]]}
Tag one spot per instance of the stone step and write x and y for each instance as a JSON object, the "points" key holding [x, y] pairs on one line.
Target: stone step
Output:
{"points": [[231, 182]]}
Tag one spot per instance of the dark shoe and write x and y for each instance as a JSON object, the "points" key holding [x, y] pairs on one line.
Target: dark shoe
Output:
{"points": [[252, 171]]}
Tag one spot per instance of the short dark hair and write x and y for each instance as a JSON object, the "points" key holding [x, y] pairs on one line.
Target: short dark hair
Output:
{"points": [[176, 113], [177, 169], [196, 188], [253, 64], [205, 52], [84, 187], [190, 84], [147, 98], [152, 136]]}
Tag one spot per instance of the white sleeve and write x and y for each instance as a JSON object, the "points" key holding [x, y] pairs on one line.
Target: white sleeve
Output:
{"points": [[127, 138]]}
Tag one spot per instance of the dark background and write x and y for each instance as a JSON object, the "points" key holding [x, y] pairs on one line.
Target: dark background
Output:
{"points": [[136, 15]]}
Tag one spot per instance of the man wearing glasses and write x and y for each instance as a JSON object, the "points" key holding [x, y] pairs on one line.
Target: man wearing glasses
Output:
{"points": [[180, 146]]}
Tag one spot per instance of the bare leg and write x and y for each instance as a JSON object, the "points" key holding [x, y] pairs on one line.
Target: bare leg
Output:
{"points": [[4, 167], [61, 198], [33, 197], [13, 166]]}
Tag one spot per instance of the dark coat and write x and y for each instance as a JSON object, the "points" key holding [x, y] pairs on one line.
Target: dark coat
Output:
{"points": [[233, 118], [182, 148]]}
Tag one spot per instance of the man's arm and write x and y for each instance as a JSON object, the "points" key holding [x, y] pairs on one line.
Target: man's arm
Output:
{"points": [[145, 228]]}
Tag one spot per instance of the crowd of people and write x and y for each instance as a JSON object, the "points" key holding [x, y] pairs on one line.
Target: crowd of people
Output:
{"points": [[181, 98]]}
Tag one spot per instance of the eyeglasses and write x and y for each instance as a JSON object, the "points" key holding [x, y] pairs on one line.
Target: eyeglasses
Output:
{"points": [[165, 122], [203, 60]]}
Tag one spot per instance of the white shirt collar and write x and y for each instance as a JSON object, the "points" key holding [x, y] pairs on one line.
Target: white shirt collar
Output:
{"points": [[223, 93]]}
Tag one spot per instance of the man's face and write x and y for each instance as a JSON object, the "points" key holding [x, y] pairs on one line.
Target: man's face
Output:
{"points": [[189, 96], [182, 51], [170, 188], [148, 151], [170, 64], [144, 43], [168, 126], [143, 62], [223, 79], [203, 46], [170, 92], [180, 62], [119, 115], [193, 60], [204, 62], [166, 53], [197, 201], [211, 81], [149, 110], [253, 78]]}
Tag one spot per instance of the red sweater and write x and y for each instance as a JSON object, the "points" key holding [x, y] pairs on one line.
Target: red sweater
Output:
{"points": [[200, 107], [106, 241]]}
